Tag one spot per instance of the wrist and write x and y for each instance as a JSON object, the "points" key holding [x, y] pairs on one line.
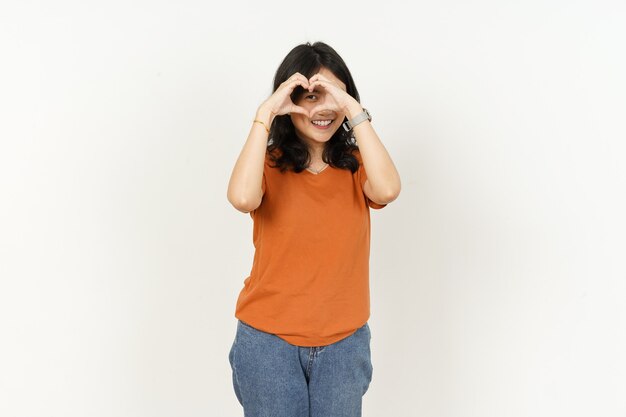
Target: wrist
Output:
{"points": [[265, 115], [352, 109], [359, 118]]}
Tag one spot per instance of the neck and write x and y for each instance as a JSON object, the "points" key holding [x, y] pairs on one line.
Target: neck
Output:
{"points": [[316, 149], [316, 152]]}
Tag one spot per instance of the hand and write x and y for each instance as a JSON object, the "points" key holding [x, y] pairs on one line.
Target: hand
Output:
{"points": [[280, 102], [337, 99]]}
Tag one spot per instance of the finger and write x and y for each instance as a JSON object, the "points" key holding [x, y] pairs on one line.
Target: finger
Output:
{"points": [[311, 86], [298, 109], [297, 81], [314, 111], [298, 76], [322, 83], [323, 107], [304, 83], [318, 77], [293, 77]]}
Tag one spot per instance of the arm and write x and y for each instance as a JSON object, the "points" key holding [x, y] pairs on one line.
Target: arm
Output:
{"points": [[383, 181], [244, 188]]}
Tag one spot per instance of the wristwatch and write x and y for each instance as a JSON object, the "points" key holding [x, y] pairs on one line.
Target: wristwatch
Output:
{"points": [[361, 117]]}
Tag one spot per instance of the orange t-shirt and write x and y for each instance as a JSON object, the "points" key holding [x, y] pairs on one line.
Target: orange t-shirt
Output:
{"points": [[309, 283]]}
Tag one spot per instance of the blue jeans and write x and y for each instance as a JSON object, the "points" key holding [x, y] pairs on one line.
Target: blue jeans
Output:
{"points": [[273, 378]]}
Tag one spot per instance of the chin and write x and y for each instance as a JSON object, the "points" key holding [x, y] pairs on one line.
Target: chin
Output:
{"points": [[316, 136], [323, 138]]}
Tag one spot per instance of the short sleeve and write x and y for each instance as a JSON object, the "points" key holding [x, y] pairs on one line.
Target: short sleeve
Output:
{"points": [[362, 178]]}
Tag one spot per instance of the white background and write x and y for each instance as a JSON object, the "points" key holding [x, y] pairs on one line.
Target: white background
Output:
{"points": [[497, 277]]}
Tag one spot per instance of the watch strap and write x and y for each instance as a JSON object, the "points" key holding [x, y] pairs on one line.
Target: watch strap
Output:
{"points": [[359, 118]]}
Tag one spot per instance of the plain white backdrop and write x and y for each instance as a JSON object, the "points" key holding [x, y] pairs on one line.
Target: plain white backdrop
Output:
{"points": [[498, 277]]}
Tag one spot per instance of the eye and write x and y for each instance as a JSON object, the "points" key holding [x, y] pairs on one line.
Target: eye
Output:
{"points": [[311, 95]]}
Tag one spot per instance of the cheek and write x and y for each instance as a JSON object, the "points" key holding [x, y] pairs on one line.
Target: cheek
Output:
{"points": [[299, 122]]}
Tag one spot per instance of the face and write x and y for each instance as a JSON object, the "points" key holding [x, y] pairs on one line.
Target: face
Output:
{"points": [[320, 127]]}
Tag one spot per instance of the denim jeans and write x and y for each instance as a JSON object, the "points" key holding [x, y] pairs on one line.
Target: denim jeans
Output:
{"points": [[273, 378]]}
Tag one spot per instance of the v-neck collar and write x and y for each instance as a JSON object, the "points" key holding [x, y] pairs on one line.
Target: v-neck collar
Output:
{"points": [[317, 173]]}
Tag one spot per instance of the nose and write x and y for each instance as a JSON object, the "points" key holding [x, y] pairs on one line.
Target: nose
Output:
{"points": [[325, 113]]}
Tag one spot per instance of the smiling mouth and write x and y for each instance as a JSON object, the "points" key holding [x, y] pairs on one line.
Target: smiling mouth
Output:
{"points": [[322, 123]]}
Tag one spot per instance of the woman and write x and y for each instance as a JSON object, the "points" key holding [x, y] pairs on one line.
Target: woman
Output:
{"points": [[311, 168]]}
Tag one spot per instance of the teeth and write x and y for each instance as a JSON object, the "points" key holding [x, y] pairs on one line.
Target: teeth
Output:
{"points": [[321, 123]]}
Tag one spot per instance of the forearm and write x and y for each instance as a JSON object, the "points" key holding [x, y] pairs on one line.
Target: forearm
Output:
{"points": [[244, 188], [382, 175]]}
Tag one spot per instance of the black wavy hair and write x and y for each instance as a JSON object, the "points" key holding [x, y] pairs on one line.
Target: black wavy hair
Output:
{"points": [[308, 59]]}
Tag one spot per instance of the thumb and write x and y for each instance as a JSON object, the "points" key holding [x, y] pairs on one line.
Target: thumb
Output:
{"points": [[321, 108], [314, 111], [298, 109]]}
